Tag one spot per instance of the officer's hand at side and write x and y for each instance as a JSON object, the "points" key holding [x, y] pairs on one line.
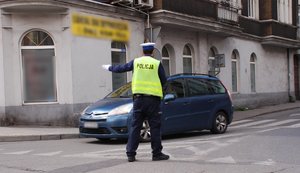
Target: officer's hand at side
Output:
{"points": [[106, 66]]}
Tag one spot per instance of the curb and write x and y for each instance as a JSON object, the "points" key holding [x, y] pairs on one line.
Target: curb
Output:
{"points": [[38, 137], [264, 113], [281, 110], [18, 138]]}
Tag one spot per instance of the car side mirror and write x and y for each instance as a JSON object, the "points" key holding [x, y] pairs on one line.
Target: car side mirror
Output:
{"points": [[169, 97]]}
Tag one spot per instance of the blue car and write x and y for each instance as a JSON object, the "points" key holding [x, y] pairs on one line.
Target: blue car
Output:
{"points": [[191, 102]]}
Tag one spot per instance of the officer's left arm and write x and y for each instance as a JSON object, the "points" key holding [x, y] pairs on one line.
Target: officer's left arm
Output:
{"points": [[162, 75], [121, 68]]}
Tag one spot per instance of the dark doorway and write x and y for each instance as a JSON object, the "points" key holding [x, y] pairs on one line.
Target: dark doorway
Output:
{"points": [[296, 74]]}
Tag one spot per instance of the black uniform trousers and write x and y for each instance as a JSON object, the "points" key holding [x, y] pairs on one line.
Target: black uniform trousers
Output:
{"points": [[145, 107]]}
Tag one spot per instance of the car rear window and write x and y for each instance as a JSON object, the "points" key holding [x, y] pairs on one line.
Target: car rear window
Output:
{"points": [[198, 86], [217, 87]]}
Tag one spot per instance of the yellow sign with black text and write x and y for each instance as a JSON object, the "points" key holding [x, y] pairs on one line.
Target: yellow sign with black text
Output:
{"points": [[97, 27]]}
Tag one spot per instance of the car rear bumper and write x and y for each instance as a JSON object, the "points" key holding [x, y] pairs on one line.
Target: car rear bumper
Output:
{"points": [[230, 117]]}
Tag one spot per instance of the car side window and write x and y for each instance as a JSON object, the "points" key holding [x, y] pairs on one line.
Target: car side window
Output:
{"points": [[198, 87], [176, 87], [217, 87]]}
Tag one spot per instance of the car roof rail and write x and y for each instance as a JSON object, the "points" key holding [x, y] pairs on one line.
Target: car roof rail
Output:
{"points": [[193, 74]]}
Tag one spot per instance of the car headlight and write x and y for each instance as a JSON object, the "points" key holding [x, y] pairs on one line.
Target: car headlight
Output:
{"points": [[124, 109]]}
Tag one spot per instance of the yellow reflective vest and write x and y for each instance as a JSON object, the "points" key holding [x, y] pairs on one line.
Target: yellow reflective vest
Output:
{"points": [[145, 78]]}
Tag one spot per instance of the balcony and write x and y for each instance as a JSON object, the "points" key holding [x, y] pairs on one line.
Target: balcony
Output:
{"points": [[197, 15], [271, 32], [272, 27], [225, 11], [228, 12], [250, 26], [203, 8]]}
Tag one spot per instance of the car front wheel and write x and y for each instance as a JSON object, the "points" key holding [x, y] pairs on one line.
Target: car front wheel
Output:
{"points": [[219, 123], [145, 132]]}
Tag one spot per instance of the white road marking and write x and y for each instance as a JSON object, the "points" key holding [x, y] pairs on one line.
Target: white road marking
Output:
{"points": [[253, 123], [49, 154], [294, 115], [20, 152], [268, 162], [228, 135], [268, 130], [240, 122], [277, 123], [144, 151], [294, 125], [228, 160]]}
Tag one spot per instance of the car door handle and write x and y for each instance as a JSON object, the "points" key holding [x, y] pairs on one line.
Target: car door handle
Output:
{"points": [[211, 101]]}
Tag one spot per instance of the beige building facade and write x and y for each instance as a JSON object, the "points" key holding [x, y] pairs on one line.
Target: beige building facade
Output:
{"points": [[48, 74]]}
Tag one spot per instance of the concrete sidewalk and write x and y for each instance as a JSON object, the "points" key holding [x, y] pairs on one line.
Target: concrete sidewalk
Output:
{"points": [[30, 133], [25, 133], [239, 115]]}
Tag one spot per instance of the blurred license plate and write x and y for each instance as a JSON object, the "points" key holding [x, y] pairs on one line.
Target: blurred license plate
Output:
{"points": [[92, 125]]}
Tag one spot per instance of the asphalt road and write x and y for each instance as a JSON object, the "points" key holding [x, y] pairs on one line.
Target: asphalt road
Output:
{"points": [[265, 144]]}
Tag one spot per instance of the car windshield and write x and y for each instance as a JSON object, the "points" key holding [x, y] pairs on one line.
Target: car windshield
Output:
{"points": [[122, 92]]}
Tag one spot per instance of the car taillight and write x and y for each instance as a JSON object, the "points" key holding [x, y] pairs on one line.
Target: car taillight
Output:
{"points": [[229, 95], [228, 92]]}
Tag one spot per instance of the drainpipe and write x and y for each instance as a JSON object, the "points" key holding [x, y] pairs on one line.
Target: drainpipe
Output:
{"points": [[289, 75]]}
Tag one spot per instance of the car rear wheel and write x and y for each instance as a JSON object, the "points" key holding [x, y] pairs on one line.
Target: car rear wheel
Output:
{"points": [[220, 123], [145, 132]]}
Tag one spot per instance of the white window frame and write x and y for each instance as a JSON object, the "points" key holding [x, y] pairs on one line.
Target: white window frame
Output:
{"points": [[189, 57], [253, 9], [211, 57], [119, 50], [253, 63], [236, 60], [167, 58], [284, 11], [22, 69]]}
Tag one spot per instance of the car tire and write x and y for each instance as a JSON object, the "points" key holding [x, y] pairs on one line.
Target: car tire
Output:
{"points": [[220, 123], [145, 135]]}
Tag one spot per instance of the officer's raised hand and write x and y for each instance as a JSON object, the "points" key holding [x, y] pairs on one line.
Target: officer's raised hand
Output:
{"points": [[106, 66]]}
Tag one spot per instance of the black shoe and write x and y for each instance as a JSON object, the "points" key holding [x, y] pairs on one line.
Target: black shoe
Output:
{"points": [[131, 158], [161, 156]]}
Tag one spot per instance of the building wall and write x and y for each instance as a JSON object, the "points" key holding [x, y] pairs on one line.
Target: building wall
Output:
{"points": [[2, 93], [90, 81], [21, 24], [271, 64], [81, 80], [15, 109], [79, 76], [271, 73], [176, 39]]}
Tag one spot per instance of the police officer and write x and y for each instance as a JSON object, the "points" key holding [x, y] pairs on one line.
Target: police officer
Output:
{"points": [[147, 82]]}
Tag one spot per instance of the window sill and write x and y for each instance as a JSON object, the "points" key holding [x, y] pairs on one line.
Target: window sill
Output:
{"points": [[40, 103]]}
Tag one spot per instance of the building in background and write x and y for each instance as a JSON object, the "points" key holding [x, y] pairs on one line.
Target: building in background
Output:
{"points": [[297, 59], [51, 51]]}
